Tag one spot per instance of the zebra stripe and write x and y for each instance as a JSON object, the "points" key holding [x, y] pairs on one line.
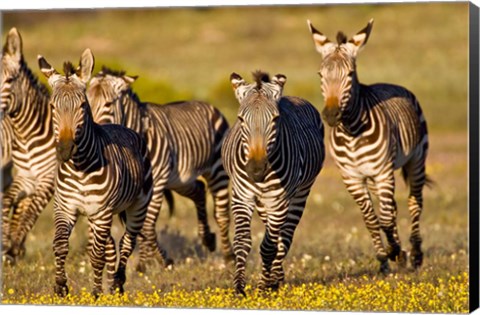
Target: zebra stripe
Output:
{"points": [[184, 140], [102, 171], [25, 102], [6, 132], [273, 155], [375, 129]]}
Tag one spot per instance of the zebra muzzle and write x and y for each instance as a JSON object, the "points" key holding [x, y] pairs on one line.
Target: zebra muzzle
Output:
{"points": [[256, 169], [331, 114], [65, 150]]}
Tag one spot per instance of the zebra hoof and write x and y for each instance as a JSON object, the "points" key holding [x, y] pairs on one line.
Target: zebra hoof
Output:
{"points": [[96, 293], [384, 268], [416, 260], [168, 264], [240, 291], [402, 259], [117, 288], [61, 290], [210, 242], [9, 259]]}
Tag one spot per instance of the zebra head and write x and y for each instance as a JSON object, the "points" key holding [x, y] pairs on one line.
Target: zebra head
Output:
{"points": [[12, 64], [257, 116], [104, 95], [338, 70], [71, 111]]}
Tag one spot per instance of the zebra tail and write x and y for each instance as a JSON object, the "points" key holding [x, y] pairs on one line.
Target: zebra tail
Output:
{"points": [[429, 182], [123, 218], [170, 201]]}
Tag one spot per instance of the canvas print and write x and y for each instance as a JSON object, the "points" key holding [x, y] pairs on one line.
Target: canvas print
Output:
{"points": [[300, 157]]}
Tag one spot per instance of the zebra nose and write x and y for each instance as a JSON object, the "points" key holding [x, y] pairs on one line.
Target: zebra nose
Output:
{"points": [[65, 150], [256, 169], [331, 115]]}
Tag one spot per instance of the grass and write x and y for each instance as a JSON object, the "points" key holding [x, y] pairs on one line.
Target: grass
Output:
{"points": [[190, 53]]}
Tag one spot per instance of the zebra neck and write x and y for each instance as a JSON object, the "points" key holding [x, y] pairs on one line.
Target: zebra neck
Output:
{"points": [[355, 116], [33, 110], [135, 112], [88, 156]]}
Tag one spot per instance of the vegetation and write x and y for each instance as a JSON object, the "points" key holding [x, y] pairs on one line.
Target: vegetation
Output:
{"points": [[190, 53]]}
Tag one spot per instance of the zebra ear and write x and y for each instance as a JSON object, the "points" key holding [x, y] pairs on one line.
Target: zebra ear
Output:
{"points": [[236, 80], [279, 79], [13, 46], [129, 79], [322, 43], [45, 67], [361, 38], [85, 67], [238, 85]]}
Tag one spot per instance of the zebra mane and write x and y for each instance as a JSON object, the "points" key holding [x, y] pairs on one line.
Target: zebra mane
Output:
{"points": [[68, 69], [116, 73], [260, 76], [341, 38]]}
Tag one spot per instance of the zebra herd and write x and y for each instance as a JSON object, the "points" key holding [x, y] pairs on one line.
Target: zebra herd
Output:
{"points": [[98, 150]]}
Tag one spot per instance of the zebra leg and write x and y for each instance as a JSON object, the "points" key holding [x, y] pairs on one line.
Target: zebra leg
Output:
{"points": [[196, 192], [295, 210], [242, 241], [273, 220], [38, 201], [135, 218], [388, 215], [218, 186], [415, 171], [358, 190], [64, 223], [10, 201], [147, 239], [111, 259], [100, 227]]}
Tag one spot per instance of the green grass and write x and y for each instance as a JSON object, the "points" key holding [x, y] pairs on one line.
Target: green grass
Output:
{"points": [[190, 53]]}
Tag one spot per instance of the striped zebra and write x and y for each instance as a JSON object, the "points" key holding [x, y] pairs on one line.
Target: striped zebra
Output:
{"points": [[24, 101], [184, 139], [6, 132], [273, 155], [102, 171], [375, 129]]}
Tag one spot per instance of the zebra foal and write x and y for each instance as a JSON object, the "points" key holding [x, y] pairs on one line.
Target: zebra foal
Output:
{"points": [[184, 141], [375, 129], [102, 171], [272, 154], [24, 102]]}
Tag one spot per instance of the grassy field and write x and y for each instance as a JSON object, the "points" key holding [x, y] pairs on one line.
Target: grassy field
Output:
{"points": [[190, 53]]}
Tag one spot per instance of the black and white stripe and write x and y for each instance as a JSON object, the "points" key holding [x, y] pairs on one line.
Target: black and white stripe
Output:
{"points": [[102, 171], [184, 140], [7, 139], [375, 129], [24, 101], [273, 155]]}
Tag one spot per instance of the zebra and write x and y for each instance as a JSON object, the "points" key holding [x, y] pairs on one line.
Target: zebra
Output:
{"points": [[24, 101], [6, 132], [375, 129], [184, 139], [102, 171], [272, 154]]}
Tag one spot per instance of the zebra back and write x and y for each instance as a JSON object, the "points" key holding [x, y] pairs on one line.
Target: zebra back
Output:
{"points": [[169, 125]]}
